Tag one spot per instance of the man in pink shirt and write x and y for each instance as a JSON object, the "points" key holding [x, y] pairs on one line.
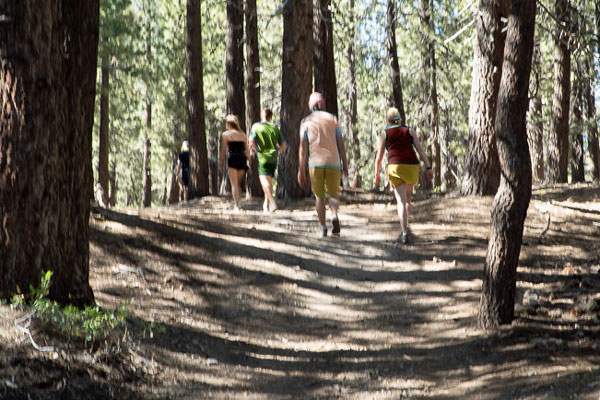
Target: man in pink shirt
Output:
{"points": [[321, 138]]}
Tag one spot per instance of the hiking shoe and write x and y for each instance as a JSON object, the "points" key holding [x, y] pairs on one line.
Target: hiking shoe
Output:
{"points": [[273, 206], [404, 238], [336, 226], [322, 231]]}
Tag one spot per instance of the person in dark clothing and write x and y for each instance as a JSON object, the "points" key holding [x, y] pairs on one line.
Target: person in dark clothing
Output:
{"points": [[403, 164], [183, 166], [234, 147]]}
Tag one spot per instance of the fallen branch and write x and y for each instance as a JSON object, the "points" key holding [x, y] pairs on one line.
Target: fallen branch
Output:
{"points": [[547, 225], [25, 329]]}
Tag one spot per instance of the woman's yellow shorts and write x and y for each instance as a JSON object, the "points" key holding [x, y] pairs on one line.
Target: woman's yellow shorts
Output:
{"points": [[325, 180], [400, 174]]}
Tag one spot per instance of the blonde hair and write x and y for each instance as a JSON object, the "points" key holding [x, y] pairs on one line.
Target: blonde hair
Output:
{"points": [[392, 115], [233, 121]]}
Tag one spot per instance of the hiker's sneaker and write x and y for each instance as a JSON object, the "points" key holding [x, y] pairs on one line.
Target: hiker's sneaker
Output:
{"points": [[273, 206], [336, 226], [322, 231], [404, 238]]}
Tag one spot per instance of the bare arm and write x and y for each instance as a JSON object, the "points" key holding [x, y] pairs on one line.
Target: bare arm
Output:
{"points": [[340, 141], [379, 158], [422, 155], [302, 160], [222, 151]]}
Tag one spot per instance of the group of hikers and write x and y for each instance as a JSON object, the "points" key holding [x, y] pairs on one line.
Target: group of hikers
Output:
{"points": [[322, 150]]}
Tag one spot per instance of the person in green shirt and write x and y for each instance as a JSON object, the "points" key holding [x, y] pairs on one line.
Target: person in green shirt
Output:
{"points": [[267, 141]]}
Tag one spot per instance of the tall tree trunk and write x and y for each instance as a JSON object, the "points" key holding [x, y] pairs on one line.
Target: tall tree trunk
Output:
{"points": [[147, 166], [177, 134], [103, 144], [592, 123], [324, 64], [234, 61], [482, 167], [558, 136], [535, 127], [396, 99], [577, 155], [297, 65], [46, 140], [213, 155], [429, 110], [512, 199], [351, 112], [195, 82], [252, 89]]}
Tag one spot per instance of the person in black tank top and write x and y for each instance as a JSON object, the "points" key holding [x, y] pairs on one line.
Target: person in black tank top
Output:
{"points": [[234, 148]]}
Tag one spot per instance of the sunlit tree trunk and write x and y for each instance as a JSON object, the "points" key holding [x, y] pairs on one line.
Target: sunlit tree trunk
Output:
{"points": [[46, 145], [482, 168], [592, 123], [103, 144], [558, 136], [535, 127], [324, 64], [351, 111], [112, 200], [512, 199], [393, 68], [147, 166], [297, 65], [195, 79], [252, 89]]}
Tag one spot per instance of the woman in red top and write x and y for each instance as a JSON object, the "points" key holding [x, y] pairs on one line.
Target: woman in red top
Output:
{"points": [[403, 164]]}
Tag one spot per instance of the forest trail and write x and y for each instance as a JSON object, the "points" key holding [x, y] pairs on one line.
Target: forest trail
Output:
{"points": [[249, 305]]}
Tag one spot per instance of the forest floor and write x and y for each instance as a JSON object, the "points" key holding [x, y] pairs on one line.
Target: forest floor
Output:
{"points": [[247, 305]]}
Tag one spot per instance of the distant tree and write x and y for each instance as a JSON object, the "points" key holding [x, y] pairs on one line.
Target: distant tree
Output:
{"points": [[297, 64], [324, 64], [429, 100], [535, 125], [512, 199], [351, 111], [234, 61], [46, 145], [558, 136], [198, 152], [482, 169], [396, 99], [147, 154], [252, 88], [590, 112], [577, 123], [103, 143]]}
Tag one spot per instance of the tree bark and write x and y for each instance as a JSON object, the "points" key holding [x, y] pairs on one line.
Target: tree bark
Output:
{"points": [[558, 136], [396, 99], [512, 199], [323, 59], [482, 168], [195, 82], [351, 112], [252, 89], [234, 61], [103, 144], [593, 147], [297, 64], [535, 126], [577, 155], [46, 119]]}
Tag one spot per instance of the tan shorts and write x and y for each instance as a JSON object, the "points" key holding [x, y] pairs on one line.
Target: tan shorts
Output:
{"points": [[325, 180], [400, 174]]}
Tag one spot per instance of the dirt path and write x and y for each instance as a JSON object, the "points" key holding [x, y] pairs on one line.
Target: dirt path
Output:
{"points": [[246, 305]]}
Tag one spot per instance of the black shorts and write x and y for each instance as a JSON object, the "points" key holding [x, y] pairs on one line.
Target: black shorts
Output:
{"points": [[237, 161]]}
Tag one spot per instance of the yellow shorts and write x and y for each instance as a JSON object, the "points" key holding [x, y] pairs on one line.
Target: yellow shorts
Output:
{"points": [[400, 174], [325, 180]]}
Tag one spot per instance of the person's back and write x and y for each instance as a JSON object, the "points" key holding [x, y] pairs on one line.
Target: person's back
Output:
{"points": [[266, 137], [399, 145], [320, 129]]}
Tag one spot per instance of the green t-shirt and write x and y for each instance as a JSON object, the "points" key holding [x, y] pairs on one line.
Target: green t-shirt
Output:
{"points": [[266, 136]]}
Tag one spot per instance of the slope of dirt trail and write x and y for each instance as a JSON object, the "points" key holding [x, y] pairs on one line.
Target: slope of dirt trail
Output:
{"points": [[249, 305]]}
